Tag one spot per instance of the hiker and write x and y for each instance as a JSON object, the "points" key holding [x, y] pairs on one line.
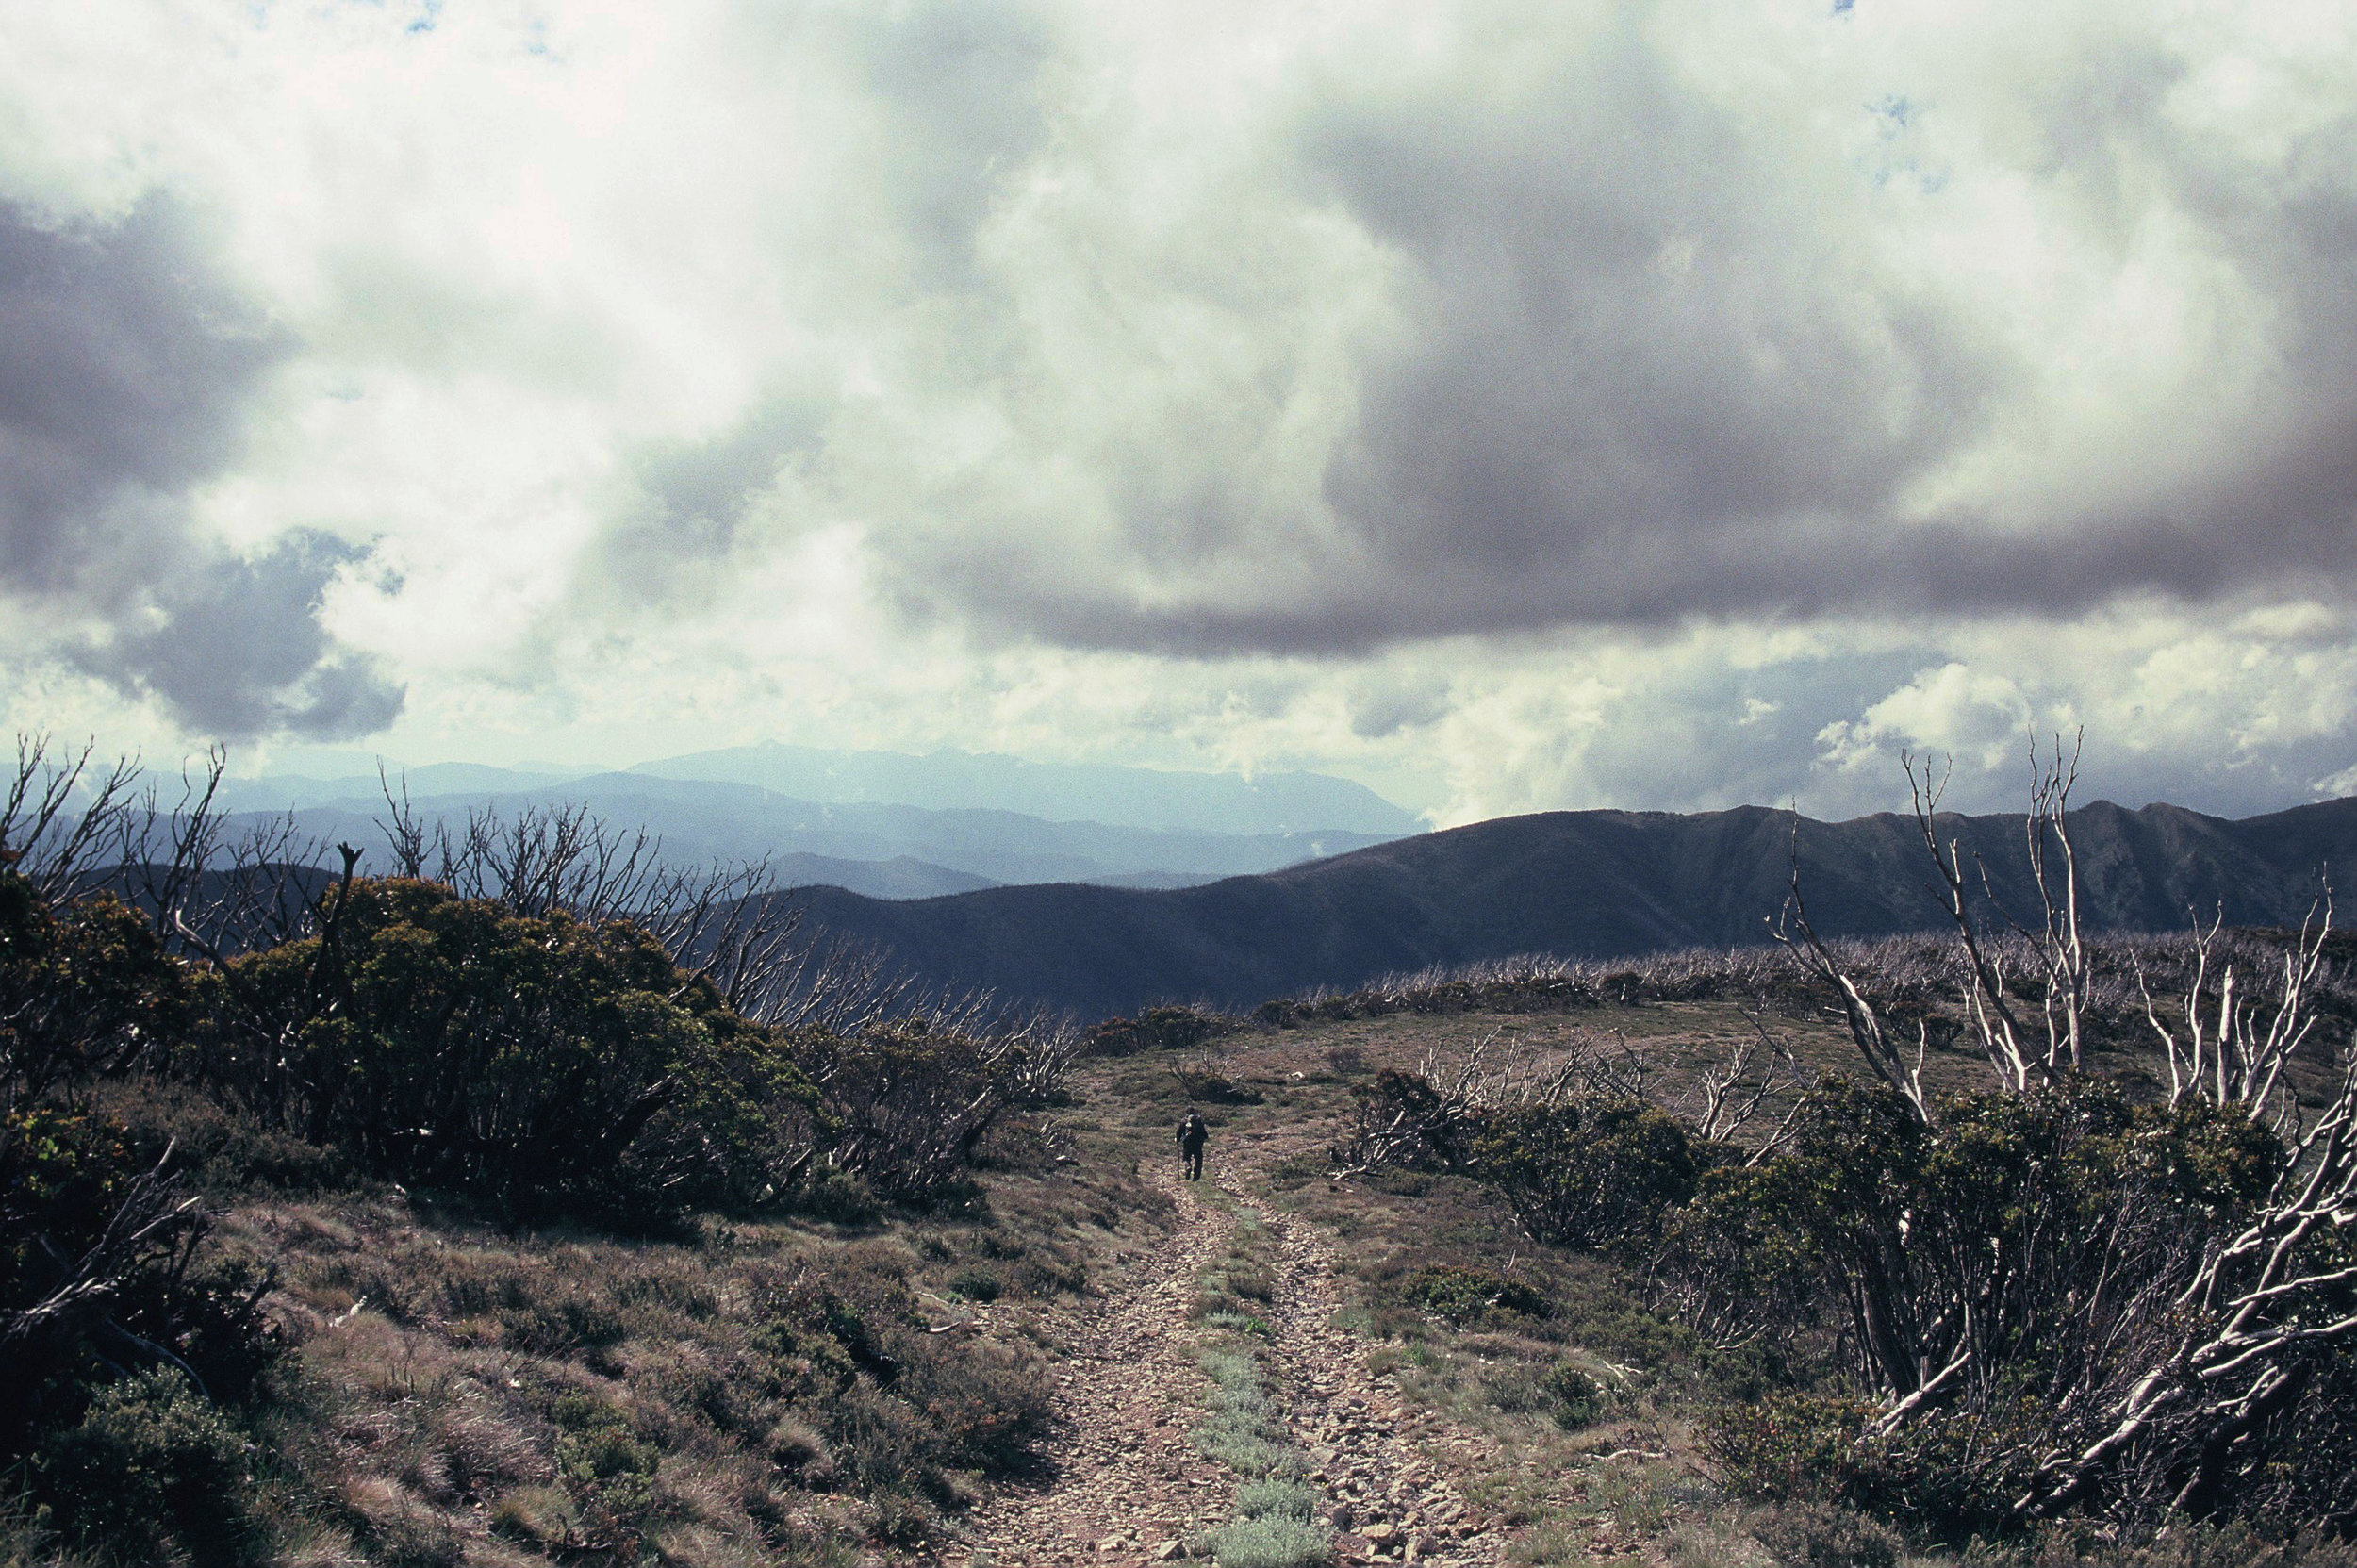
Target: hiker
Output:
{"points": [[1191, 1136]]}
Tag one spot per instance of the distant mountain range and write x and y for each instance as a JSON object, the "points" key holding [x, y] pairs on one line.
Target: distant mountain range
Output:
{"points": [[1598, 883], [881, 850], [1150, 798], [1266, 804]]}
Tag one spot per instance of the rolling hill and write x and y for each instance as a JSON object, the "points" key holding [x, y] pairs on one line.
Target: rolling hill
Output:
{"points": [[1596, 884]]}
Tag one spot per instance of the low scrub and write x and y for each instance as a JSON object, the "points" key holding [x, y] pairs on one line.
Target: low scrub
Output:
{"points": [[538, 1065], [1164, 1028], [1462, 1295]]}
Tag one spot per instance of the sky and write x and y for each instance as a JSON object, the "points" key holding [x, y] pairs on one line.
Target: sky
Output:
{"points": [[1511, 404]]}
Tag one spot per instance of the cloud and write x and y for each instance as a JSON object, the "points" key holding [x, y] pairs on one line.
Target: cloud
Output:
{"points": [[127, 368], [235, 647], [1550, 325], [1535, 405]]}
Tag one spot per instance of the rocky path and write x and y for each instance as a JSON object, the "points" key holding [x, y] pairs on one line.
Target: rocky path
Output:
{"points": [[1130, 1486], [1389, 1473]]}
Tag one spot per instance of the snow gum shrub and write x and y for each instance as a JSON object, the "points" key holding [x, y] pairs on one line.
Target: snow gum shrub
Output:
{"points": [[152, 1466], [906, 1104], [1462, 1296], [1156, 1029], [85, 990], [109, 1304], [1602, 1173], [541, 1066], [2014, 1237]]}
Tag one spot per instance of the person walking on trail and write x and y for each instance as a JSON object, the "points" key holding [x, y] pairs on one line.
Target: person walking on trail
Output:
{"points": [[1192, 1134]]}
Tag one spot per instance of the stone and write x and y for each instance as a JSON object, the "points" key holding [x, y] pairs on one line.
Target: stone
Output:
{"points": [[1169, 1551], [1380, 1533]]}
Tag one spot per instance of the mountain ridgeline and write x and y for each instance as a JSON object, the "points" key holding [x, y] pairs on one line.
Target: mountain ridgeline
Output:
{"points": [[1593, 883]]}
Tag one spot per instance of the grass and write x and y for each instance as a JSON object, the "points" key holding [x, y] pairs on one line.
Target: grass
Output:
{"points": [[741, 1392], [1276, 1524]]}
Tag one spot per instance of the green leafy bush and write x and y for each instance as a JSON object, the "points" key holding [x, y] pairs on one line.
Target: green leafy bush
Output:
{"points": [[151, 1471], [975, 1285], [1577, 1399], [1462, 1295], [1163, 1028], [1600, 1174], [539, 1066]]}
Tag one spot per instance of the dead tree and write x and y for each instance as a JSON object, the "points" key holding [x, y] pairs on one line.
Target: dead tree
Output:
{"points": [[2182, 1377], [2232, 1046]]}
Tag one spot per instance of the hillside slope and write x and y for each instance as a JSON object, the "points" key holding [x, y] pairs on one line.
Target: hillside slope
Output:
{"points": [[1578, 884]]}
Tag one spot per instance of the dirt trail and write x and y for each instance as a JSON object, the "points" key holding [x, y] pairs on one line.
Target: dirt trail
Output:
{"points": [[1128, 1483], [1129, 1486]]}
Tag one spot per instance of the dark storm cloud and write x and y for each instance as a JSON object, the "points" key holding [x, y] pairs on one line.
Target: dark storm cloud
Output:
{"points": [[127, 368], [1648, 387], [1654, 371], [237, 648]]}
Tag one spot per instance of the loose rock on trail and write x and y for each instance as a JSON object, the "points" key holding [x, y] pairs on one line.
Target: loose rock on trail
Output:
{"points": [[1127, 1484]]}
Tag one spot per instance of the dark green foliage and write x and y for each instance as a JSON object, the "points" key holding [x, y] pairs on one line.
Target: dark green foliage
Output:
{"points": [[1600, 1174], [1578, 1400], [84, 990], [104, 1272], [151, 1471], [1462, 1295], [2025, 1243], [1820, 1536], [539, 1066], [2007, 1212], [1789, 1445]]}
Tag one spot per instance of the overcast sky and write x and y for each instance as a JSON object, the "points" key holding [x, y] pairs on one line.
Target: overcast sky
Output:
{"points": [[1510, 406]]}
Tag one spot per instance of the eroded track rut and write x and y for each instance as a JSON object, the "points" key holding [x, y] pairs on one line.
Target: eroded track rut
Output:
{"points": [[1129, 1485]]}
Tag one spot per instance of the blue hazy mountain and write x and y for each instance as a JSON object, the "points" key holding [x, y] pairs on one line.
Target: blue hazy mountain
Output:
{"points": [[1582, 884], [879, 849], [1062, 792]]}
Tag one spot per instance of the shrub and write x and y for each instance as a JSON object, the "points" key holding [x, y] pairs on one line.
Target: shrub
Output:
{"points": [[151, 1466], [905, 1105], [1577, 1399], [2028, 1242], [1821, 1536], [1243, 1431], [86, 989], [975, 1285], [1461, 1295], [1270, 1541], [1787, 1446], [1274, 1497], [1163, 1028], [1602, 1174], [103, 1264], [541, 1066]]}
